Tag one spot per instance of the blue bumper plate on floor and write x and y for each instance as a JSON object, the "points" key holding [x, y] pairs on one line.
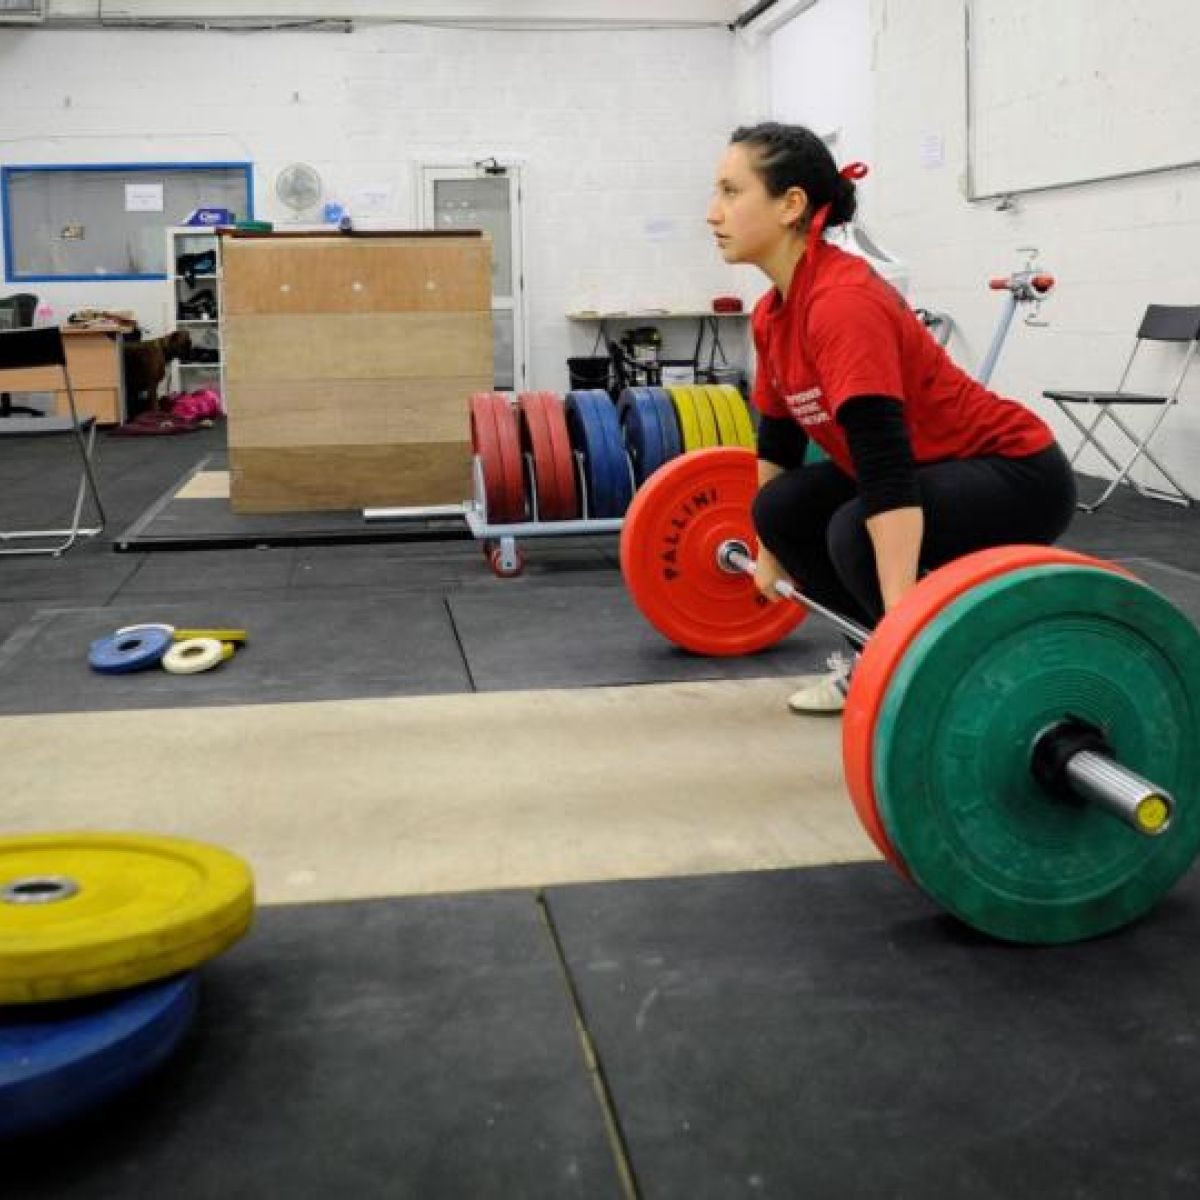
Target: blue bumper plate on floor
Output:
{"points": [[59, 1061]]}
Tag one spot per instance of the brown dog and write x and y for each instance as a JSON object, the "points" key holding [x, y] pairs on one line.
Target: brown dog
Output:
{"points": [[146, 368]]}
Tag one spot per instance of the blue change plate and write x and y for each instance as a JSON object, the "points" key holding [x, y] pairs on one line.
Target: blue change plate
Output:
{"points": [[58, 1061], [124, 652]]}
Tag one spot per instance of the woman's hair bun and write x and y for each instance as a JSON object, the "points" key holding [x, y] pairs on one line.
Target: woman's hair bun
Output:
{"points": [[844, 203]]}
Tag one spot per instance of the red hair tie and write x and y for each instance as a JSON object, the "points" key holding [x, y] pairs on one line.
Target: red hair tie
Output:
{"points": [[852, 171]]}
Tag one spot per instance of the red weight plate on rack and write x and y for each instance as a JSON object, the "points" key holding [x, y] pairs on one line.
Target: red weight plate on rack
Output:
{"points": [[508, 438], [564, 458], [886, 648], [673, 530], [485, 443], [535, 438]]}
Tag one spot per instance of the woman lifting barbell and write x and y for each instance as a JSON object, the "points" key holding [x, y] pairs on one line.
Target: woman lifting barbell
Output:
{"points": [[924, 463]]}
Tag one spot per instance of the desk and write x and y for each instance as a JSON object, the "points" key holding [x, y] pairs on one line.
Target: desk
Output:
{"points": [[97, 375], [708, 322]]}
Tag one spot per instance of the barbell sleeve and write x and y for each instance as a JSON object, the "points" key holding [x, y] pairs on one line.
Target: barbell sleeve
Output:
{"points": [[1103, 781], [1089, 774]]}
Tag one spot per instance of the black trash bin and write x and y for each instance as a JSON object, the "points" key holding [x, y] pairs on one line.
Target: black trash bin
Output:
{"points": [[589, 373]]}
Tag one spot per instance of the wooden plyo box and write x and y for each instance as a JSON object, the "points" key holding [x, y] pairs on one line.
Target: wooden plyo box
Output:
{"points": [[348, 366]]}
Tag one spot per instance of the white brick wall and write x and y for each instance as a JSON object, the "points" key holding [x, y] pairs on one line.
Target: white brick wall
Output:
{"points": [[1115, 247], [619, 132]]}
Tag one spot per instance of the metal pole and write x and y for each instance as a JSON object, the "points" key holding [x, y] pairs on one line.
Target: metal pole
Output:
{"points": [[1006, 319]]}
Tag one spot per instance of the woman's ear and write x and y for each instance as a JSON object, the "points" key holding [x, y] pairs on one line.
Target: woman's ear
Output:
{"points": [[793, 207]]}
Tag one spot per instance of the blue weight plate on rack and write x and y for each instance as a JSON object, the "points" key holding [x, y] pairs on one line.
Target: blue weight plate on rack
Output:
{"points": [[623, 483], [585, 423], [642, 432], [58, 1061], [124, 652], [668, 423]]}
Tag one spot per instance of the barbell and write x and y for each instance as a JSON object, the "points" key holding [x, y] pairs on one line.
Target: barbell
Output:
{"points": [[1022, 731]]}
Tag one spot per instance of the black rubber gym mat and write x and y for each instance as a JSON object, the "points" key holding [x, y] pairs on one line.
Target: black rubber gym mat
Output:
{"points": [[829, 1033], [415, 1048], [1181, 587], [325, 646], [206, 573], [1130, 524], [591, 634], [448, 566], [78, 577], [174, 523]]}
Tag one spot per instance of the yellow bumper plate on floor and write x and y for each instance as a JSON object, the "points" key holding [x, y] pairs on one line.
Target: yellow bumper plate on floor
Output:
{"points": [[86, 913]]}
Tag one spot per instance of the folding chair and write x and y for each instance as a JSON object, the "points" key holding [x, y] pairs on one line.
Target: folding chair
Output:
{"points": [[1162, 323], [21, 349], [17, 312]]}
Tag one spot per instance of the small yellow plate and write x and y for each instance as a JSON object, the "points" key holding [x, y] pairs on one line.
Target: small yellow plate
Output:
{"points": [[237, 636], [86, 913]]}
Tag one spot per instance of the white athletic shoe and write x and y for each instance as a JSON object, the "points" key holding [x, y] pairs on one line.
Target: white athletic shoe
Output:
{"points": [[824, 695]]}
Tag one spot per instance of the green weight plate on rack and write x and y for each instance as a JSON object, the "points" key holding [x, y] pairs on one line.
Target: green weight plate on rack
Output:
{"points": [[987, 675]]}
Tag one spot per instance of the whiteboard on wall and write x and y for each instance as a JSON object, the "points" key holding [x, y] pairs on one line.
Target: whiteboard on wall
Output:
{"points": [[1062, 92]]}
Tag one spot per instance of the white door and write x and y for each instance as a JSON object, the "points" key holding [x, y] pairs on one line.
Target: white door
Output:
{"points": [[461, 197]]}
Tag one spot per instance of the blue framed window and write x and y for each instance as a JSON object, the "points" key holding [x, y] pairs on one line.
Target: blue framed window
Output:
{"points": [[107, 221]]}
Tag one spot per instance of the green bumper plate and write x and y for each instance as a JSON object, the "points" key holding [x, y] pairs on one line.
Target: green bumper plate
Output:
{"points": [[960, 718]]}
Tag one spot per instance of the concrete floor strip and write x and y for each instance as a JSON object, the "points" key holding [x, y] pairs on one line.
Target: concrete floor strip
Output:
{"points": [[422, 795]]}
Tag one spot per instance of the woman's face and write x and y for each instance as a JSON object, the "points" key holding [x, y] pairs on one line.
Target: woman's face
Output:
{"points": [[749, 223]]}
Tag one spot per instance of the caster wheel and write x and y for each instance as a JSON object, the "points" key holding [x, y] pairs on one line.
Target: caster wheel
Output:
{"points": [[503, 569]]}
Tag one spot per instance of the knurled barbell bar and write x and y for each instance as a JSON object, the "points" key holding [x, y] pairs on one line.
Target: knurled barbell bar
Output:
{"points": [[998, 717]]}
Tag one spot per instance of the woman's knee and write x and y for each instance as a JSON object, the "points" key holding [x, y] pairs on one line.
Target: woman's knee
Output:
{"points": [[772, 511], [795, 506]]}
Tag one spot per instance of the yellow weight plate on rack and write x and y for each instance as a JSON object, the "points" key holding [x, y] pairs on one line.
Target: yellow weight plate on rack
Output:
{"points": [[708, 421], [719, 403], [689, 419], [741, 416], [86, 913]]}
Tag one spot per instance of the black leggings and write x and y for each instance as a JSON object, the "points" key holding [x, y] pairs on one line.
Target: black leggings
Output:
{"points": [[812, 520]]}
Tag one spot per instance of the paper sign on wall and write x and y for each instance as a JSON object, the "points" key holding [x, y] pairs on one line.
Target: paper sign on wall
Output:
{"points": [[933, 149], [143, 197], [373, 198]]}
